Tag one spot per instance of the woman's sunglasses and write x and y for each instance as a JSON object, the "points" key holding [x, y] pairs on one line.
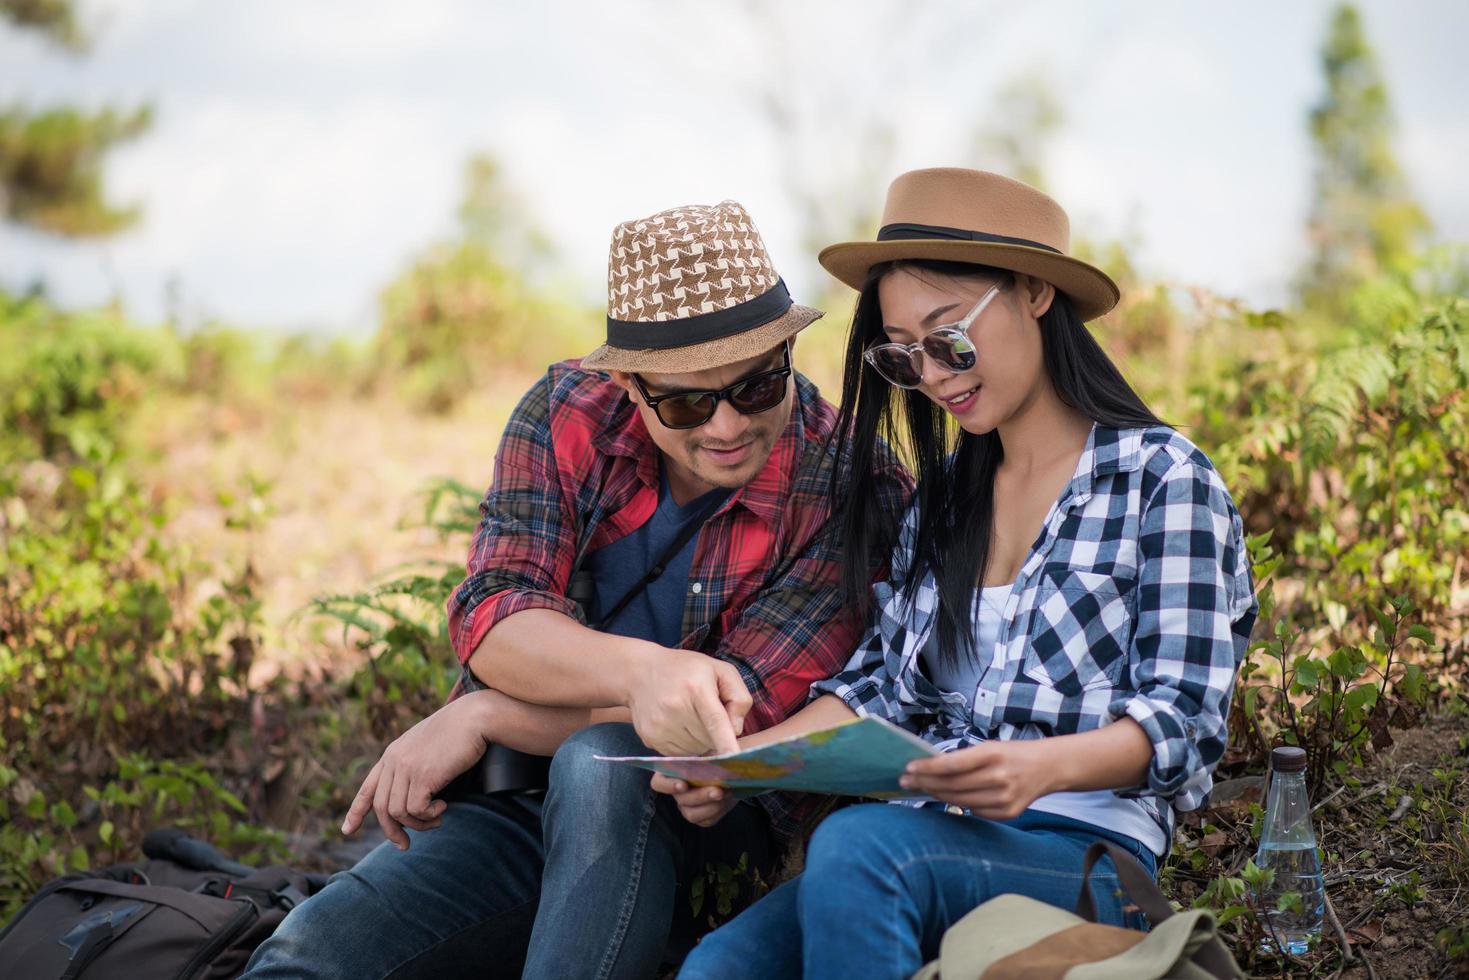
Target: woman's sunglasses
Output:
{"points": [[748, 396], [948, 346]]}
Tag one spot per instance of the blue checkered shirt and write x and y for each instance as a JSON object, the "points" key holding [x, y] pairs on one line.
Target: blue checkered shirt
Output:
{"points": [[1136, 600]]}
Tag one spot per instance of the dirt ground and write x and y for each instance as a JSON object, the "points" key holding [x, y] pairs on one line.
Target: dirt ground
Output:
{"points": [[1403, 846]]}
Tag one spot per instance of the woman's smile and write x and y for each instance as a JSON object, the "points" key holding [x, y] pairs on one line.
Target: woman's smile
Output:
{"points": [[961, 402]]}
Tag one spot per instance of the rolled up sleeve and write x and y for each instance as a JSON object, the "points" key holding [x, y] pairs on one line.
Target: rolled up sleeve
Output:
{"points": [[524, 547], [1195, 607]]}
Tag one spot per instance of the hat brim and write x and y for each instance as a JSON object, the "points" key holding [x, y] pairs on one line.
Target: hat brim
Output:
{"points": [[711, 354], [1091, 290]]}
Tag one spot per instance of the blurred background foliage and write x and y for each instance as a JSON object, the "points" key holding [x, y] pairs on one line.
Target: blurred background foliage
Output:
{"points": [[163, 659]]}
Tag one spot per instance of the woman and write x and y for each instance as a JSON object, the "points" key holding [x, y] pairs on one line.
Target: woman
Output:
{"points": [[1070, 596]]}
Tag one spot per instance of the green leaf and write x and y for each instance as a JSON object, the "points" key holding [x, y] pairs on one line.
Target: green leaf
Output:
{"points": [[36, 805], [104, 832], [1359, 699], [1384, 623], [1308, 673], [1257, 877], [63, 816], [696, 895], [1411, 685], [1347, 663], [229, 799], [78, 859]]}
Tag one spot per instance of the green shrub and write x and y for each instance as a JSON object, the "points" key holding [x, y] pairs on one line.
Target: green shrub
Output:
{"points": [[67, 381], [458, 316], [401, 623]]}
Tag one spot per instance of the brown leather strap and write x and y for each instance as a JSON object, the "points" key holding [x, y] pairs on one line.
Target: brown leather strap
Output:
{"points": [[1135, 880], [1145, 893]]}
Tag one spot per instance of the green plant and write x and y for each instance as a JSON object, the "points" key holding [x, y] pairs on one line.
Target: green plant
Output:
{"points": [[401, 622], [716, 893], [68, 381], [1453, 940], [43, 838]]}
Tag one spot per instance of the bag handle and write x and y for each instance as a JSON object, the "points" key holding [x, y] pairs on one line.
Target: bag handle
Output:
{"points": [[1135, 880], [1213, 955]]}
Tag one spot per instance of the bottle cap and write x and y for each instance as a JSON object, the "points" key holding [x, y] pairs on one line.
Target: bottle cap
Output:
{"points": [[1288, 758]]}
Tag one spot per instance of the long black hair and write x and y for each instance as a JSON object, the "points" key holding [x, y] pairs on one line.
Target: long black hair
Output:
{"points": [[955, 469]]}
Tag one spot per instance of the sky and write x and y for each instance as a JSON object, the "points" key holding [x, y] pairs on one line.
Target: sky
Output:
{"points": [[305, 151]]}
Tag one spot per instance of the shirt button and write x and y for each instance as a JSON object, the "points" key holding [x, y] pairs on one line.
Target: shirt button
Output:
{"points": [[696, 588], [954, 809]]}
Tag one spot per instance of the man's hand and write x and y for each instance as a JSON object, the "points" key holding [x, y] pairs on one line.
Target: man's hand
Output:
{"points": [[419, 764], [703, 806], [686, 703], [993, 779]]}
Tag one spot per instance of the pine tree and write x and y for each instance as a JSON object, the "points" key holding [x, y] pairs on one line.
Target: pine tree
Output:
{"points": [[51, 159], [1364, 221], [55, 18]]}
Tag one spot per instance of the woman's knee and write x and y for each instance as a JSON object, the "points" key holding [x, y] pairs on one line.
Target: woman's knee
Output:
{"points": [[855, 836], [762, 941], [712, 959]]}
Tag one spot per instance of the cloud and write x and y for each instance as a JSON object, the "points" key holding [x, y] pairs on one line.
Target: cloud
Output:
{"points": [[303, 151]]}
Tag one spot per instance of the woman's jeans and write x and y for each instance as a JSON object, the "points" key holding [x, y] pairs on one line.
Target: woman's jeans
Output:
{"points": [[883, 882], [582, 883]]}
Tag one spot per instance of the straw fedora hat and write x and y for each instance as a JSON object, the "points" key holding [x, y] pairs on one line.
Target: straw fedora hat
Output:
{"points": [[693, 288], [961, 215]]}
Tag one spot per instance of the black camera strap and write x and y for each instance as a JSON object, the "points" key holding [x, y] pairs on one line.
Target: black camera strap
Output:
{"points": [[685, 534]]}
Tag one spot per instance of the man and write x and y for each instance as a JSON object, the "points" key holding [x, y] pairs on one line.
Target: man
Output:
{"points": [[694, 427]]}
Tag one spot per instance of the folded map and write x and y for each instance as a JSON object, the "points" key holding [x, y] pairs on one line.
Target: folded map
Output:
{"points": [[860, 757]]}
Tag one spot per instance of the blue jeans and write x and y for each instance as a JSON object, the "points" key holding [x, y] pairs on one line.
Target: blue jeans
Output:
{"points": [[883, 882], [582, 883]]}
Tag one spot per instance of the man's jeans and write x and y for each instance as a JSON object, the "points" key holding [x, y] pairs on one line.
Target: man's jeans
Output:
{"points": [[582, 884], [883, 882]]}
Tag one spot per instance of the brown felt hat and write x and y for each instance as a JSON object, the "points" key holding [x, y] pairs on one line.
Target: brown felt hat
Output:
{"points": [[692, 288], [958, 215]]}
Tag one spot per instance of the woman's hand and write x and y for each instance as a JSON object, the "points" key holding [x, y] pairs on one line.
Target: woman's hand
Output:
{"points": [[419, 764], [703, 806], [993, 779]]}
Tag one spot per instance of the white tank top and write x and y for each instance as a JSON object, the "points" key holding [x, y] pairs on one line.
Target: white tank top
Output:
{"points": [[1100, 808]]}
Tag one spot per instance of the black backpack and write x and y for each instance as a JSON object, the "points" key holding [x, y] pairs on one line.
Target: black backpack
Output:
{"points": [[188, 912]]}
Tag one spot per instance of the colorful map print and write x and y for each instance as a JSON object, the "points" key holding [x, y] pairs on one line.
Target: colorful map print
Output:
{"points": [[861, 757]]}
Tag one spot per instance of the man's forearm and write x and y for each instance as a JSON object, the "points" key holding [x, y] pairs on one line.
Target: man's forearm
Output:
{"points": [[545, 658], [536, 728]]}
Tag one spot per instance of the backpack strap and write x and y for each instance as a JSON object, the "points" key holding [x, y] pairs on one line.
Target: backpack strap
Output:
{"points": [[1144, 891]]}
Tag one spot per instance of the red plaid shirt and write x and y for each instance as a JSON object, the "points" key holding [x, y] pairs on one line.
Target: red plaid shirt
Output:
{"points": [[577, 470]]}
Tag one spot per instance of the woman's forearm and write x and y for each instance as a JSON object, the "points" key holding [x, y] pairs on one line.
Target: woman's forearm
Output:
{"points": [[1115, 756], [824, 712]]}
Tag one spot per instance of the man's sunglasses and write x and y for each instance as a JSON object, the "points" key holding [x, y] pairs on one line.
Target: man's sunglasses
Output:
{"points": [[948, 346], [748, 396]]}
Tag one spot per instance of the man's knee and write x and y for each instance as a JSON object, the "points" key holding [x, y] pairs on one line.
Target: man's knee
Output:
{"points": [[575, 768], [309, 942]]}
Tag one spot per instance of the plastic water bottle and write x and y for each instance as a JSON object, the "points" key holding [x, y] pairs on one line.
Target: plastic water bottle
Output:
{"points": [[1288, 847]]}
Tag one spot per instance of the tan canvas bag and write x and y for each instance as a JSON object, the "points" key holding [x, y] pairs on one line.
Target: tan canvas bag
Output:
{"points": [[1012, 937]]}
